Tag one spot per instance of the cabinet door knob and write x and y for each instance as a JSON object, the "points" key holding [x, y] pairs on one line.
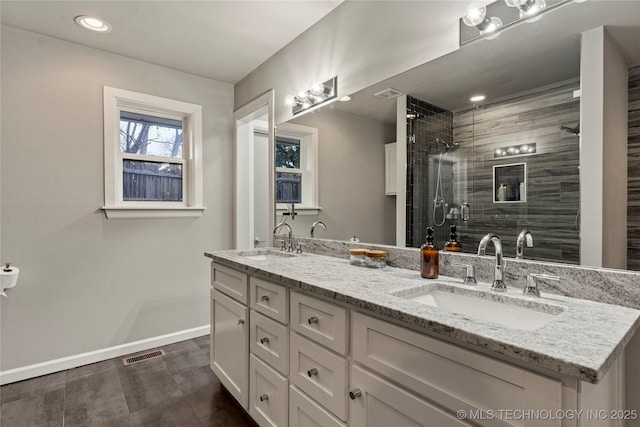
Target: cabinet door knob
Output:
{"points": [[355, 393], [311, 372], [264, 340], [264, 397], [240, 321], [264, 298], [312, 320]]}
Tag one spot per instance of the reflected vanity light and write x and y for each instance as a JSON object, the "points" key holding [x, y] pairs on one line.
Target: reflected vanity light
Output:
{"points": [[514, 150], [317, 94], [488, 21]]}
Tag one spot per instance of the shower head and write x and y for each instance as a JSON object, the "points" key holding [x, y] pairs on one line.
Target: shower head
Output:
{"points": [[575, 130], [447, 147]]}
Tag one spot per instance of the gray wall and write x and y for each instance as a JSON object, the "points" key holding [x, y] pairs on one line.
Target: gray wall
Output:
{"points": [[351, 178], [88, 283], [362, 42]]}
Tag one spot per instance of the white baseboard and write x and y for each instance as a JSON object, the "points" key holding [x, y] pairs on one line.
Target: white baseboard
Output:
{"points": [[57, 365]]}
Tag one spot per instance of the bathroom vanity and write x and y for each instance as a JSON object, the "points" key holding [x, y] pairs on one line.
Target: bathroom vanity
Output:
{"points": [[309, 340]]}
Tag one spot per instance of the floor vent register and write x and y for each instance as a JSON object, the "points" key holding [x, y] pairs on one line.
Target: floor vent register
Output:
{"points": [[143, 357]]}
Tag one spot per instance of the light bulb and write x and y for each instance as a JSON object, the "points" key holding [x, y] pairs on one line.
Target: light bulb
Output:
{"points": [[493, 26], [317, 88], [531, 8], [475, 14], [514, 3], [289, 101]]}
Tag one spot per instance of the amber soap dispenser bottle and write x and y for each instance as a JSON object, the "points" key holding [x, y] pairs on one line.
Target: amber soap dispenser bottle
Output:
{"points": [[453, 245], [429, 257]]}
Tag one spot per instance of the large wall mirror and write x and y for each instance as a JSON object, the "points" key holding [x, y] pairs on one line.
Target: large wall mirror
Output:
{"points": [[530, 76]]}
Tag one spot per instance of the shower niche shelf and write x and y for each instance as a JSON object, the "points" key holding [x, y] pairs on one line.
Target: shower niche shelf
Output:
{"points": [[510, 183]]}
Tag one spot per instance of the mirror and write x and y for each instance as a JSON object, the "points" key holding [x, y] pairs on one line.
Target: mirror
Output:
{"points": [[535, 64]]}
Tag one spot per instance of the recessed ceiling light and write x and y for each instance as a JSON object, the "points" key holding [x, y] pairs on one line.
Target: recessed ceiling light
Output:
{"points": [[345, 98], [477, 98], [93, 23]]}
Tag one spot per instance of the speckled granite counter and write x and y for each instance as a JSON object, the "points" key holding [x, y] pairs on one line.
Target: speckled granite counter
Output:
{"points": [[582, 341]]}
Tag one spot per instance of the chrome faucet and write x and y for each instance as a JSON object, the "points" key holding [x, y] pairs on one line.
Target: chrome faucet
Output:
{"points": [[498, 283], [286, 244], [313, 227], [525, 235]]}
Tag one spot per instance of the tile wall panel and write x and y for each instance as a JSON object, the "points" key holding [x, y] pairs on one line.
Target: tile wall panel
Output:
{"points": [[633, 184]]}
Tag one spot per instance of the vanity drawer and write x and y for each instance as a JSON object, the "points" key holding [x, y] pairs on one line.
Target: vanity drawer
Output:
{"points": [[451, 376], [320, 373], [304, 412], [321, 321], [270, 342], [270, 299], [268, 395], [230, 282]]}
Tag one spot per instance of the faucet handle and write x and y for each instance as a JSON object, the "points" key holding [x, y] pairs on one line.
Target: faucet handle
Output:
{"points": [[299, 247], [470, 277], [531, 284]]}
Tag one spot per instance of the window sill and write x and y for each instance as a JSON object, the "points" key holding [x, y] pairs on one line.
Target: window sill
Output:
{"points": [[300, 210], [113, 212]]}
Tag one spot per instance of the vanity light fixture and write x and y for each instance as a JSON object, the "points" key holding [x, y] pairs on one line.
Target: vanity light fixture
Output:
{"points": [[483, 20], [93, 24], [514, 150], [317, 94]]}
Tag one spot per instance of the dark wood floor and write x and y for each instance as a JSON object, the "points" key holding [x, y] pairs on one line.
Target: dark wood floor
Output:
{"points": [[176, 390]]}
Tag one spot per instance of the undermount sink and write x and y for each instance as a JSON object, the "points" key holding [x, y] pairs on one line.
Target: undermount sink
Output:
{"points": [[513, 313], [265, 254]]}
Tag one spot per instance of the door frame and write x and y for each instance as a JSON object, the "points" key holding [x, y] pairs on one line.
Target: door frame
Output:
{"points": [[243, 158]]}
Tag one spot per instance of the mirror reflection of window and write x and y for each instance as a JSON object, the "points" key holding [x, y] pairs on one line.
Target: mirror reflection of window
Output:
{"points": [[288, 170]]}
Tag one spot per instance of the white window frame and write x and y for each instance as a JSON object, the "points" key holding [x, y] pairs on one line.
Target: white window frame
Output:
{"points": [[308, 137], [115, 207]]}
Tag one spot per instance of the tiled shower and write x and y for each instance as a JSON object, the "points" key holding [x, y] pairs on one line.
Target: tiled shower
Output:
{"points": [[550, 211]]}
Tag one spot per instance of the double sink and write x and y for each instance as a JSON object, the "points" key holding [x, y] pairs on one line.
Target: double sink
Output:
{"points": [[523, 313]]}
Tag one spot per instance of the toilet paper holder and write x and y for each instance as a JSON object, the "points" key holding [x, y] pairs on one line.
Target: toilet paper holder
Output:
{"points": [[8, 278]]}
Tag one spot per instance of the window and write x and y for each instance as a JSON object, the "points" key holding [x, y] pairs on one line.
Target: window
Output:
{"points": [[152, 152], [296, 167]]}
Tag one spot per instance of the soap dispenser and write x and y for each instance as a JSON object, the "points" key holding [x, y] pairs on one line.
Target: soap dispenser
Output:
{"points": [[429, 257], [453, 245]]}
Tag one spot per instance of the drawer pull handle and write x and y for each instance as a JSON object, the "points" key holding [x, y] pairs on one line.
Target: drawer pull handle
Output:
{"points": [[264, 340], [355, 393], [264, 298], [264, 398], [311, 372], [240, 321], [312, 320]]}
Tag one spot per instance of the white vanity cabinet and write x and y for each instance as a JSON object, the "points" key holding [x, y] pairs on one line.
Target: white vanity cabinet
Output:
{"points": [[294, 359], [230, 332], [269, 360], [436, 377], [319, 350]]}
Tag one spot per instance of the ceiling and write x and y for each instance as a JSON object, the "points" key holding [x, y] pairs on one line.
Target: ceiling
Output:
{"points": [[221, 40], [527, 56]]}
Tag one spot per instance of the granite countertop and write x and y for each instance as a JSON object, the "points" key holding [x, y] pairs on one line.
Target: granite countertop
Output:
{"points": [[583, 340]]}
